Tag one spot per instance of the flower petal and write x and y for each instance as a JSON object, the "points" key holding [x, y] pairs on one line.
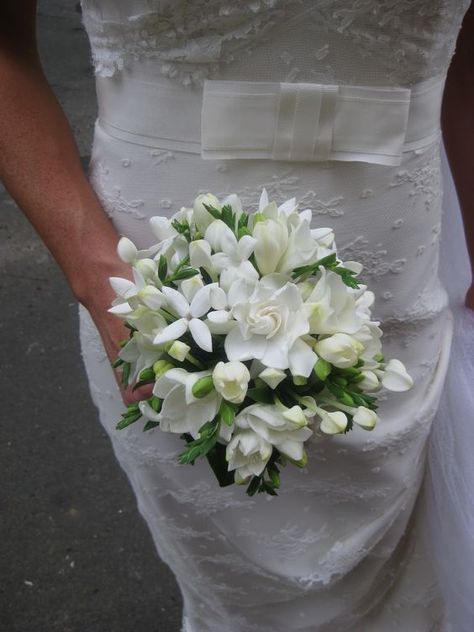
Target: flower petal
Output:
{"points": [[176, 301], [171, 332], [237, 348], [301, 358], [201, 334]]}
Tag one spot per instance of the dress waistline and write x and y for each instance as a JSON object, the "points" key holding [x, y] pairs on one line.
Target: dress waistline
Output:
{"points": [[273, 120]]}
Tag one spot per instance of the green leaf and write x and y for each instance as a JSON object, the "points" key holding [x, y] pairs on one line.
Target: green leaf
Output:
{"points": [[196, 448], [267, 487], [227, 412], [243, 220], [322, 369], [126, 366], [218, 462], [340, 393], [150, 425], [254, 485], [162, 268], [261, 395], [274, 474], [184, 273], [128, 419], [213, 211], [242, 231], [118, 362], [228, 216]]}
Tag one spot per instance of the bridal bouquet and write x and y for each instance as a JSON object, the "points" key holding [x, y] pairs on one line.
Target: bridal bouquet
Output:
{"points": [[254, 335]]}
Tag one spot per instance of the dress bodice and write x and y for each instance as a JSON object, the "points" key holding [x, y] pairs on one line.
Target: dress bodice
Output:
{"points": [[381, 42]]}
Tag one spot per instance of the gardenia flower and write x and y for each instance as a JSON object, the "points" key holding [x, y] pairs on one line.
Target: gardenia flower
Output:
{"points": [[285, 428], [231, 380], [269, 323]]}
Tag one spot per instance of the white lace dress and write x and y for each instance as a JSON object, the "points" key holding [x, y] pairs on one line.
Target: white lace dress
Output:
{"points": [[340, 548]]}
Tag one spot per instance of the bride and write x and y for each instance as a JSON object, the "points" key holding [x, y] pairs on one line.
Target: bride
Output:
{"points": [[211, 95]]}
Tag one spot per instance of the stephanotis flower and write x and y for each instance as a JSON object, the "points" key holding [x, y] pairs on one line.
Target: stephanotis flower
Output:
{"points": [[133, 293], [193, 301], [269, 323]]}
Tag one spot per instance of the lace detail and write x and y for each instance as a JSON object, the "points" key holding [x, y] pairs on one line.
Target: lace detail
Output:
{"points": [[190, 39], [411, 40], [193, 40], [112, 199]]}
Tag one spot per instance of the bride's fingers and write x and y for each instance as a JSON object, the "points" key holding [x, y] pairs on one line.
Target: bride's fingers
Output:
{"points": [[131, 396]]}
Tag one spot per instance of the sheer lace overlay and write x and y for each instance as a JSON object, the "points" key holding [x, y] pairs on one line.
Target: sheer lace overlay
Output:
{"points": [[340, 548]]}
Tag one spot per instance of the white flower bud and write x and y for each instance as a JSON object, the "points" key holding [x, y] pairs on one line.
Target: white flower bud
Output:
{"points": [[332, 423], [340, 349], [203, 218], [296, 415], [179, 350], [272, 377], [395, 376], [231, 380], [200, 254], [126, 250], [365, 418], [370, 381], [272, 241], [147, 268]]}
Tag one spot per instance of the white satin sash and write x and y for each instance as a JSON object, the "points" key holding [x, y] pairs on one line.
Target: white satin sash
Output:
{"points": [[273, 120]]}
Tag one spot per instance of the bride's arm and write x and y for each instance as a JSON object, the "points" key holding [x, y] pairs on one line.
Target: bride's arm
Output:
{"points": [[40, 166], [457, 118]]}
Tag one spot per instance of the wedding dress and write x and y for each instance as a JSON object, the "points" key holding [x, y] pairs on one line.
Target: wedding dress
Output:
{"points": [[220, 96]]}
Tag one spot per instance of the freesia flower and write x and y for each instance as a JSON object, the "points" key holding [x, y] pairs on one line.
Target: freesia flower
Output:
{"points": [[340, 349], [231, 380], [247, 453], [395, 376], [285, 428], [181, 411], [331, 306], [201, 217]]}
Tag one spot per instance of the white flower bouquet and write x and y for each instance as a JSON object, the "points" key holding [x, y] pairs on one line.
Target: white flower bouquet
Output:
{"points": [[254, 335]]}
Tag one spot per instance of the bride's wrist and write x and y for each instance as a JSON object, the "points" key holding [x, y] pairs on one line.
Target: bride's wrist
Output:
{"points": [[90, 285]]}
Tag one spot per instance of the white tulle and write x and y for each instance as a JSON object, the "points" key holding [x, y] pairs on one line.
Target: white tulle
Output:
{"points": [[449, 489]]}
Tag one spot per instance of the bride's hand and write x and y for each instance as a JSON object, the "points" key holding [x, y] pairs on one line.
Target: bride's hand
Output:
{"points": [[113, 332]]}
